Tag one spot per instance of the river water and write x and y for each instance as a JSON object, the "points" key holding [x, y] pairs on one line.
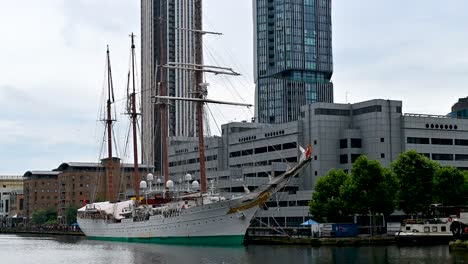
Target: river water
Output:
{"points": [[65, 250]]}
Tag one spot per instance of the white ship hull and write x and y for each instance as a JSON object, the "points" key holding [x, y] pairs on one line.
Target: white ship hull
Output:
{"points": [[213, 223]]}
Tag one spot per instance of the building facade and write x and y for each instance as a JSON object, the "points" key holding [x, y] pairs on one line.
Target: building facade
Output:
{"points": [[11, 199], [292, 57], [247, 154], [73, 184], [460, 109], [41, 191], [167, 36]]}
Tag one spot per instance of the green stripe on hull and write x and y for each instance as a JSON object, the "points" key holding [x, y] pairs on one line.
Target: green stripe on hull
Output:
{"points": [[200, 241]]}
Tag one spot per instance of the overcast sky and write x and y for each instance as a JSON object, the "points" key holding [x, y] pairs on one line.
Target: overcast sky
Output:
{"points": [[52, 55]]}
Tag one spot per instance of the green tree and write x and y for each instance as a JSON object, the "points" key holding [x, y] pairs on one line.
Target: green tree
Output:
{"points": [[415, 175], [326, 203], [450, 186], [70, 214], [44, 216], [371, 188]]}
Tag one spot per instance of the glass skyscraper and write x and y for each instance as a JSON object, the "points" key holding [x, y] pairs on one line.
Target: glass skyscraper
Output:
{"points": [[293, 57], [167, 36]]}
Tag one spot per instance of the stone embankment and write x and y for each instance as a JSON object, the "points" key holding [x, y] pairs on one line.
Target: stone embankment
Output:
{"points": [[42, 230]]}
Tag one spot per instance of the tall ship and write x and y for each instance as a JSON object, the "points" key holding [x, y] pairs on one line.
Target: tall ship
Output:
{"points": [[193, 215], [181, 218]]}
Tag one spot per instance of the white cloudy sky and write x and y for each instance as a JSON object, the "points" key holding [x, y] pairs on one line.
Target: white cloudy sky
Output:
{"points": [[52, 55]]}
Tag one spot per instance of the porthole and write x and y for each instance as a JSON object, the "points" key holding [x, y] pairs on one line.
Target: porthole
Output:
{"points": [[437, 126], [450, 126], [427, 125], [441, 126], [432, 125], [446, 126], [455, 127]]}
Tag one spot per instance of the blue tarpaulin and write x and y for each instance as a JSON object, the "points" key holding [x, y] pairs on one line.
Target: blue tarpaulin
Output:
{"points": [[309, 222]]}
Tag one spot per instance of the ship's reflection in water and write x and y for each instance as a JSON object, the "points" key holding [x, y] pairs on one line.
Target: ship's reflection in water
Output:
{"points": [[51, 250]]}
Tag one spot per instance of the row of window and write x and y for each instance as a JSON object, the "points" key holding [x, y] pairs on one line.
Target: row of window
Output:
{"points": [[245, 139], [265, 163], [444, 156], [437, 141], [366, 110], [181, 151], [287, 203], [192, 161], [442, 126], [355, 143], [354, 112], [274, 134], [248, 152]]}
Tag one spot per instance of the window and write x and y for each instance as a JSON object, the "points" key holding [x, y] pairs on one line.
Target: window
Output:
{"points": [[343, 143], [382, 139], [461, 142], [441, 141], [443, 229], [344, 159], [235, 154], [261, 150], [247, 152], [356, 143], [382, 155], [337, 112], [274, 148], [292, 145], [438, 156], [417, 140], [434, 229], [462, 157], [369, 109]]}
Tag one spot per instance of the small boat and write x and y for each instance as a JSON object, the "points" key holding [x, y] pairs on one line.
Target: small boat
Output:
{"points": [[432, 231], [438, 230]]}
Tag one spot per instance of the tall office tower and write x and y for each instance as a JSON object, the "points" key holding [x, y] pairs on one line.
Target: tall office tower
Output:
{"points": [[167, 36], [293, 57]]}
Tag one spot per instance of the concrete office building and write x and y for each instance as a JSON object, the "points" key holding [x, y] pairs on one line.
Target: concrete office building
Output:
{"points": [[247, 153], [293, 57], [167, 36]]}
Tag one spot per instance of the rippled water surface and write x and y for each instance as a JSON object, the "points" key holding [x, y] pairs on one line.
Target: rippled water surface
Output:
{"points": [[62, 249]]}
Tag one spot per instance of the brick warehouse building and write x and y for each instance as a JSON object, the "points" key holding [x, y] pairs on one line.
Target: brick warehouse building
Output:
{"points": [[73, 183]]}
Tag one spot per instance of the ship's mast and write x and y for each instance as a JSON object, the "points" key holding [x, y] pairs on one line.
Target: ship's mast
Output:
{"points": [[109, 121], [201, 92], [134, 117], [163, 107]]}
